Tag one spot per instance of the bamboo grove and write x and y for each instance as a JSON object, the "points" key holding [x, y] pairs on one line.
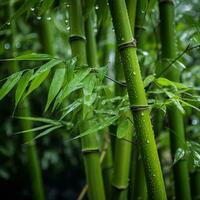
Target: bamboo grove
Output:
{"points": [[100, 99]]}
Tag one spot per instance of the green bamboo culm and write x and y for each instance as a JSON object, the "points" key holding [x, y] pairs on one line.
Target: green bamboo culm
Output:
{"points": [[138, 101], [33, 165], [176, 124], [138, 189], [123, 145], [90, 147]]}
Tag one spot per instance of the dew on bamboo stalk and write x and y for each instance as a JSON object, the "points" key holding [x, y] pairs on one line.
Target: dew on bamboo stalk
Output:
{"points": [[48, 18], [96, 7], [134, 73], [39, 17], [8, 23], [147, 141], [142, 114], [32, 9], [7, 46]]}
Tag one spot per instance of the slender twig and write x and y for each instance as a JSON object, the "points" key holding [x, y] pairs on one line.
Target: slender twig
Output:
{"points": [[188, 48]]}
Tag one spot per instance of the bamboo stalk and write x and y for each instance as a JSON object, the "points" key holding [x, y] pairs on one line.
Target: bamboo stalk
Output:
{"points": [[24, 110], [138, 102], [138, 182], [89, 143], [176, 124]]}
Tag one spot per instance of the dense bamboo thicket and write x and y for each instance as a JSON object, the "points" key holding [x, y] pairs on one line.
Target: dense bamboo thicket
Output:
{"points": [[99, 99]]}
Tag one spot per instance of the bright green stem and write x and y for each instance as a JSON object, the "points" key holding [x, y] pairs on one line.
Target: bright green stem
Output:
{"points": [[90, 147], [123, 146], [140, 19], [138, 188], [137, 98], [131, 7], [24, 110], [33, 161], [177, 135], [47, 36]]}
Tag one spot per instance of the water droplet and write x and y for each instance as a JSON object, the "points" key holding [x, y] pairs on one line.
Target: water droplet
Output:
{"points": [[48, 18], [122, 39], [142, 114], [147, 141], [96, 7], [8, 23], [154, 175], [32, 9], [7, 46], [134, 73], [113, 29], [39, 17], [194, 122], [66, 21], [68, 5], [68, 28]]}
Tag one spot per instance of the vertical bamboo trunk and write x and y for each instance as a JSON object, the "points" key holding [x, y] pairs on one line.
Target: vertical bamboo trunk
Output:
{"points": [[176, 124], [24, 110], [138, 101], [90, 147], [139, 190], [123, 146]]}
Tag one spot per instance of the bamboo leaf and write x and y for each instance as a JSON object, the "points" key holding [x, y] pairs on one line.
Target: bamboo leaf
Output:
{"points": [[49, 130], [37, 81], [148, 80], [164, 82], [56, 85], [32, 56], [122, 128], [39, 119], [196, 158], [96, 127], [46, 67], [180, 153], [71, 107], [35, 129], [21, 87], [9, 84]]}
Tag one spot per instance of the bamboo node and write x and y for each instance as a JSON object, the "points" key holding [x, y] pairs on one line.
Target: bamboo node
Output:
{"points": [[127, 44], [86, 151], [136, 108], [76, 37]]}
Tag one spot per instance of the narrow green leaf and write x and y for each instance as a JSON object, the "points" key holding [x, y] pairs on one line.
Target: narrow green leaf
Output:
{"points": [[35, 129], [37, 81], [180, 153], [22, 84], [149, 79], [97, 127], [46, 67], [39, 119], [9, 84], [55, 86], [49, 130], [164, 82], [122, 128], [70, 108], [32, 56]]}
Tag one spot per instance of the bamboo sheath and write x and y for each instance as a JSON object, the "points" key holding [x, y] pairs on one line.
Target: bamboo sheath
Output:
{"points": [[90, 147], [33, 164], [176, 124], [138, 102]]}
